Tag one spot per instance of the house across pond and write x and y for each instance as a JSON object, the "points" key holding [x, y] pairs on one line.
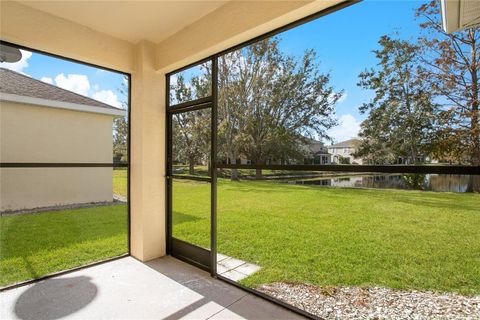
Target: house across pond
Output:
{"points": [[344, 152]]}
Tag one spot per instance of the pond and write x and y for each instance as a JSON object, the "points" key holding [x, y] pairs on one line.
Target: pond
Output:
{"points": [[428, 182]]}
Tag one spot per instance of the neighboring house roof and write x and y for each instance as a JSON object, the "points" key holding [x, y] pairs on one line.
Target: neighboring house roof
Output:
{"points": [[17, 87], [314, 146], [351, 143]]}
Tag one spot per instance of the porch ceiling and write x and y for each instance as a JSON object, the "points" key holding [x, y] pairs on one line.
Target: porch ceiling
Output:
{"points": [[130, 20], [108, 32]]}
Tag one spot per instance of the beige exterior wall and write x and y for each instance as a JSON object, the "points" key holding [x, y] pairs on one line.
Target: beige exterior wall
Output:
{"points": [[31, 133], [28, 188], [346, 152]]}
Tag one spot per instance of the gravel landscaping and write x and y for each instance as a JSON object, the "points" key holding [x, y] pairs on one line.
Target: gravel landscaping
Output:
{"points": [[375, 303]]}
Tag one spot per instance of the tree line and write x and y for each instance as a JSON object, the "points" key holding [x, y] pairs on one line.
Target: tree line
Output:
{"points": [[269, 105], [426, 96]]}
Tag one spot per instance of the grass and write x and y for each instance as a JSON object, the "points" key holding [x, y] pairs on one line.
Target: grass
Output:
{"points": [[120, 182], [33, 245], [323, 236], [331, 236]]}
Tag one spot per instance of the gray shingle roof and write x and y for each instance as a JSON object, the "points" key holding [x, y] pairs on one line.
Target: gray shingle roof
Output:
{"points": [[347, 143], [15, 83]]}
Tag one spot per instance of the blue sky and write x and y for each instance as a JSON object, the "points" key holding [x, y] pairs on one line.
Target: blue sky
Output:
{"points": [[96, 83], [344, 41]]}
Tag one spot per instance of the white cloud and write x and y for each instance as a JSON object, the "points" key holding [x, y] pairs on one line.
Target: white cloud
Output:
{"points": [[348, 128], [74, 82], [342, 98], [47, 80], [108, 97], [80, 84], [173, 79], [100, 71], [331, 97], [20, 65]]}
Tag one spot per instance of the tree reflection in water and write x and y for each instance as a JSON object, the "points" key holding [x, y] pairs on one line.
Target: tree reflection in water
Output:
{"points": [[428, 182]]}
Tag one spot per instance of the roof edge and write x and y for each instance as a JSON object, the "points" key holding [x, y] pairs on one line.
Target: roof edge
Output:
{"points": [[43, 83], [61, 105], [342, 144]]}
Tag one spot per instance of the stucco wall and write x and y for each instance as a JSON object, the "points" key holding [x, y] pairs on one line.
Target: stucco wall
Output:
{"points": [[28, 188], [30, 133]]}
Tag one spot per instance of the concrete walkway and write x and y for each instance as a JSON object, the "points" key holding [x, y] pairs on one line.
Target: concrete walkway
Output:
{"points": [[164, 288], [235, 269]]}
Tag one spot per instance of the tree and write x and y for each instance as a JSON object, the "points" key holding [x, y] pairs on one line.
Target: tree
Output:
{"points": [[120, 128], [230, 108], [120, 142], [343, 160], [401, 114], [270, 103], [451, 67], [191, 130]]}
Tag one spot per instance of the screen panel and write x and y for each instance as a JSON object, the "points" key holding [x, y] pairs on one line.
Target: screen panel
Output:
{"points": [[64, 171], [191, 143], [191, 212], [191, 84]]}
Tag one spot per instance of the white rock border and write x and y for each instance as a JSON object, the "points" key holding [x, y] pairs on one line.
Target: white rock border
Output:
{"points": [[375, 302]]}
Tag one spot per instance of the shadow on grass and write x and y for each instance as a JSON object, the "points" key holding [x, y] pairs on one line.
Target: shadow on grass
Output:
{"points": [[180, 217], [30, 269]]}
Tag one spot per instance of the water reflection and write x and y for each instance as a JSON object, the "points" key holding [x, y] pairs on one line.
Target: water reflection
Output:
{"points": [[429, 182]]}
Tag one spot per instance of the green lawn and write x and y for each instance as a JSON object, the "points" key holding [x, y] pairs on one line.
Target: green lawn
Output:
{"points": [[120, 182], [323, 236], [33, 245], [331, 236]]}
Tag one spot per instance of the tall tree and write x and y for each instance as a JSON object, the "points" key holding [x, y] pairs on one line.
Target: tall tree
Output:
{"points": [[231, 108], [401, 114], [191, 130], [120, 139], [451, 66], [120, 127], [270, 103]]}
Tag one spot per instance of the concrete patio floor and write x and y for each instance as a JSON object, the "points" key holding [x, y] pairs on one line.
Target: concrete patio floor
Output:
{"points": [[164, 288]]}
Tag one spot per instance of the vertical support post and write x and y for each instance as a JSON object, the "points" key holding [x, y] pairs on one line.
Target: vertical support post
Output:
{"points": [[129, 170], [213, 166], [168, 169], [147, 180]]}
